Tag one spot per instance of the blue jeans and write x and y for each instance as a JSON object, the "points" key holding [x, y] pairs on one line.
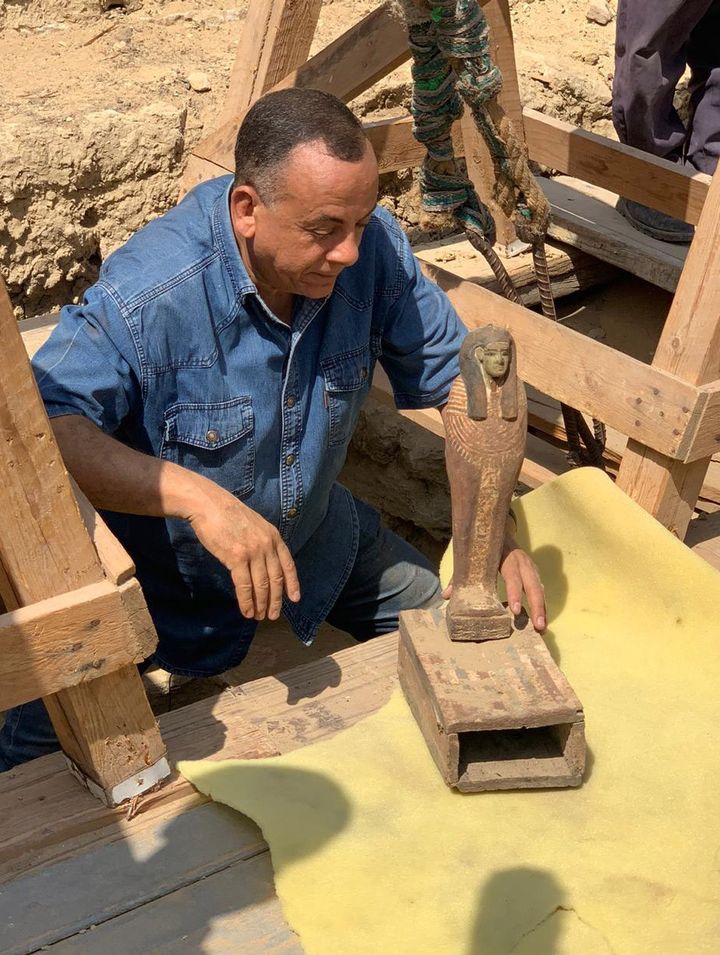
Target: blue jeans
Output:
{"points": [[389, 575]]}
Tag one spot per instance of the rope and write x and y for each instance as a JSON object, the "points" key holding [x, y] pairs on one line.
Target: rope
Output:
{"points": [[450, 46]]}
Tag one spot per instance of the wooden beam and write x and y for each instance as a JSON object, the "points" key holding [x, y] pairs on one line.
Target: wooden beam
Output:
{"points": [[67, 640], [690, 348], [106, 727], [584, 216], [275, 40], [347, 67], [648, 403], [677, 190]]}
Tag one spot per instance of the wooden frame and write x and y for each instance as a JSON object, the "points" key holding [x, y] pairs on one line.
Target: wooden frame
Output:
{"points": [[76, 622], [670, 410]]}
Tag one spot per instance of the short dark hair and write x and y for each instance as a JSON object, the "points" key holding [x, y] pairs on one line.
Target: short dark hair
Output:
{"points": [[280, 121]]}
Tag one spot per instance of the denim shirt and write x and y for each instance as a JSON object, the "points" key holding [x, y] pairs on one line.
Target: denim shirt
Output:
{"points": [[174, 353]]}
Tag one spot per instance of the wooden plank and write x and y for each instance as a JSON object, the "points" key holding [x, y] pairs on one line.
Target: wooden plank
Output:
{"points": [[147, 863], [571, 270], [481, 170], [584, 216], [689, 347], [199, 170], [642, 401], [232, 911], [66, 640], [347, 67], [45, 817], [106, 726], [677, 190], [275, 40], [117, 564], [703, 536]]}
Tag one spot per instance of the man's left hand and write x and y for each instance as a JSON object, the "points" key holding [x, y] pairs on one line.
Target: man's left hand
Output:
{"points": [[521, 575]]}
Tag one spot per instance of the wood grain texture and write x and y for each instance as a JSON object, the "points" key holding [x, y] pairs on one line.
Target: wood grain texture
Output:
{"points": [[347, 67], [498, 714], [45, 817], [63, 641], [275, 40], [584, 215], [677, 190], [690, 348], [644, 402], [105, 726]]}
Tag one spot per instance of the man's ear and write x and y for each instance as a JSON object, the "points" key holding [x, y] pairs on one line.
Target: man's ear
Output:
{"points": [[243, 203]]}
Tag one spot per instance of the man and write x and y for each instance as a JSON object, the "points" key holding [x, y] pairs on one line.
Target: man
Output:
{"points": [[655, 42], [205, 393]]}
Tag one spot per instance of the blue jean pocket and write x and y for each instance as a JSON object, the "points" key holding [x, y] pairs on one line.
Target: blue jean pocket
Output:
{"points": [[347, 381], [215, 439]]}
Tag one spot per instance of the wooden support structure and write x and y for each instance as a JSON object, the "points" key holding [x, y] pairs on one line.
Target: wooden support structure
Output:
{"points": [[71, 634], [669, 410]]}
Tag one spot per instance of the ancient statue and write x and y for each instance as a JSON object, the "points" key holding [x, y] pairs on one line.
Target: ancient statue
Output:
{"points": [[485, 425]]}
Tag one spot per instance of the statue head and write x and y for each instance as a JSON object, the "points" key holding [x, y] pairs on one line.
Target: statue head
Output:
{"points": [[487, 356]]}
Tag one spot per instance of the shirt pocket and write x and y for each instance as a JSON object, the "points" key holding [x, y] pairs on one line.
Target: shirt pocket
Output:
{"points": [[347, 380], [215, 439]]}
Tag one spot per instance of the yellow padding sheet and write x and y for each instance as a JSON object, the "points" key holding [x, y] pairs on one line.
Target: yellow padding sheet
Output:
{"points": [[373, 855]]}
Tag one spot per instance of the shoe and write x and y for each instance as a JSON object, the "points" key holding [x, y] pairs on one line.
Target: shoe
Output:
{"points": [[656, 224]]}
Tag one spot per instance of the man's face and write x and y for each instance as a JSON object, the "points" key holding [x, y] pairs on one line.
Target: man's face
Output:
{"points": [[300, 240]]}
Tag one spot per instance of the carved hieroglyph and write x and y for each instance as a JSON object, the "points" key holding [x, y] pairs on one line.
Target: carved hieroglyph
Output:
{"points": [[485, 425]]}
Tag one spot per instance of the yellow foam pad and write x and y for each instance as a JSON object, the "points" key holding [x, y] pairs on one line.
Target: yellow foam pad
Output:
{"points": [[374, 855]]}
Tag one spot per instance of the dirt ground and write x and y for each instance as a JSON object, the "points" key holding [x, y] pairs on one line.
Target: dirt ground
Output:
{"points": [[103, 99]]}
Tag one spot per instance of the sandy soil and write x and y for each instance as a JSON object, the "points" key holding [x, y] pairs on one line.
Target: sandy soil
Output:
{"points": [[99, 115]]}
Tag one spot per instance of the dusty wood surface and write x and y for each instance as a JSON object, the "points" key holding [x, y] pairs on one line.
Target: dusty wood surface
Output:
{"points": [[678, 190], [495, 715], [106, 725], [689, 347], [275, 40], [585, 216], [63, 641], [642, 401], [347, 67], [52, 833]]}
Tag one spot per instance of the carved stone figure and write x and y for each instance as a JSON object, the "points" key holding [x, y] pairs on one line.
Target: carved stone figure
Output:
{"points": [[485, 425]]}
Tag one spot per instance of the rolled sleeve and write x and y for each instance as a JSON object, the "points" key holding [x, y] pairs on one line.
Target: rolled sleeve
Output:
{"points": [[89, 366], [422, 339]]}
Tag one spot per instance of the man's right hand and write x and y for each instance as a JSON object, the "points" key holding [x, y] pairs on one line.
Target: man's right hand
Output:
{"points": [[252, 549], [118, 478]]}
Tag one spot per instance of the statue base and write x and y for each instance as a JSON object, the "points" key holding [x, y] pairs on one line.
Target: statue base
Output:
{"points": [[495, 715], [475, 614]]}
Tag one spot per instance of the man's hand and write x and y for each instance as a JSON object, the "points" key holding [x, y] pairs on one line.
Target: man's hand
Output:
{"points": [[253, 551], [520, 575]]}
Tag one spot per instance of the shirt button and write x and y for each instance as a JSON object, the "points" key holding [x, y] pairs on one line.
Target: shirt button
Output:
{"points": [[290, 459], [292, 512], [212, 437], [290, 401]]}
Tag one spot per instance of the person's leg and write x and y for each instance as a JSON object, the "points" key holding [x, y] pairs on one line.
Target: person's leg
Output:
{"points": [[27, 733], [704, 62], [389, 575], [651, 48]]}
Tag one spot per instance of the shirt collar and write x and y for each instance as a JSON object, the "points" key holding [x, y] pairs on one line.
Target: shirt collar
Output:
{"points": [[227, 245]]}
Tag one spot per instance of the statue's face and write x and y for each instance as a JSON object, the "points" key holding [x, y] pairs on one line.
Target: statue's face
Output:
{"points": [[496, 358]]}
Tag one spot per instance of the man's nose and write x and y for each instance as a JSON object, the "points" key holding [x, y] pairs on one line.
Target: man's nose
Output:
{"points": [[345, 253]]}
